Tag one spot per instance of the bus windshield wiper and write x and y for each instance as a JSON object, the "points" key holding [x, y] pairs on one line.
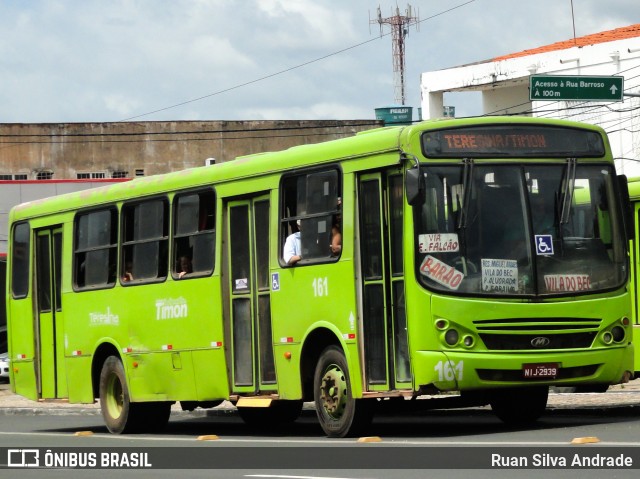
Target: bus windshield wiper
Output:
{"points": [[467, 181], [567, 191]]}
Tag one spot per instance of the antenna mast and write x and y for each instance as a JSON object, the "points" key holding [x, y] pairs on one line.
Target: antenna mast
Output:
{"points": [[399, 30]]}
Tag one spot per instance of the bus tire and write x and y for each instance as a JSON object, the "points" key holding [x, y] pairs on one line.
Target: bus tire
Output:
{"points": [[279, 412], [340, 415], [117, 410], [519, 406]]}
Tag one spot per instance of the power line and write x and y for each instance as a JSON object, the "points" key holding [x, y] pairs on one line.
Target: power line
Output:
{"points": [[286, 70]]}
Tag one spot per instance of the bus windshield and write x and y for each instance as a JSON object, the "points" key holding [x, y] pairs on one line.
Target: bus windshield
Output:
{"points": [[499, 229]]}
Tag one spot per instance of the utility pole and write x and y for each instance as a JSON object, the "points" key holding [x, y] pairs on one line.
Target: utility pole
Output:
{"points": [[399, 30]]}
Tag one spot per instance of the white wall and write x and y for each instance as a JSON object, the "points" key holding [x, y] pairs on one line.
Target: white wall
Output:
{"points": [[504, 87]]}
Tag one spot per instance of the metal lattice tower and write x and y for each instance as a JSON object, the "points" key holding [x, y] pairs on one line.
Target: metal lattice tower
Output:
{"points": [[399, 30]]}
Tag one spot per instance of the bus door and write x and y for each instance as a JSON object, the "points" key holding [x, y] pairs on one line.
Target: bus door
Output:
{"points": [[385, 345], [49, 325], [253, 367]]}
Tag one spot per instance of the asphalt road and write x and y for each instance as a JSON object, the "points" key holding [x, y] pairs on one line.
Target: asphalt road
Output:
{"points": [[406, 444]]}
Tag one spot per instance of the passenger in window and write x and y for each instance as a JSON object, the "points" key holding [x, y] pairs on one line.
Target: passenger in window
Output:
{"points": [[293, 247], [128, 275], [185, 266], [336, 234], [336, 239]]}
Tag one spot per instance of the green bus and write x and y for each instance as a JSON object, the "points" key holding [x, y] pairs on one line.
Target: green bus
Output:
{"points": [[634, 249], [489, 261]]}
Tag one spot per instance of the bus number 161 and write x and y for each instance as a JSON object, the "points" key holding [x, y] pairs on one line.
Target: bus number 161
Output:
{"points": [[449, 370], [320, 287]]}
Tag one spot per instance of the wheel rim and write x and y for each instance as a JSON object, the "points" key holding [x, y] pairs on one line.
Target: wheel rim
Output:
{"points": [[333, 391], [115, 397]]}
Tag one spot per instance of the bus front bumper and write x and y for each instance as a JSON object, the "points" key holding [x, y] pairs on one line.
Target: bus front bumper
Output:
{"points": [[462, 370]]}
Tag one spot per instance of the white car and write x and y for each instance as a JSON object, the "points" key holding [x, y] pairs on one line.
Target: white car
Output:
{"points": [[4, 366]]}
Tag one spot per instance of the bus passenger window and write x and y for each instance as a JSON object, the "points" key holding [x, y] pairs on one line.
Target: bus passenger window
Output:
{"points": [[311, 206], [145, 240], [96, 247], [20, 261], [194, 234]]}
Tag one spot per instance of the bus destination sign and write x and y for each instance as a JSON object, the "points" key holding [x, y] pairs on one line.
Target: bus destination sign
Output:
{"points": [[502, 141], [581, 87]]}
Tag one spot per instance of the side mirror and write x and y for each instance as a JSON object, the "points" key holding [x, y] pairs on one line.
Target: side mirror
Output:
{"points": [[627, 210], [414, 184]]}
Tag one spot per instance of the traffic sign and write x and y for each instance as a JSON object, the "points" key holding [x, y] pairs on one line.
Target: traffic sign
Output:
{"points": [[580, 87]]}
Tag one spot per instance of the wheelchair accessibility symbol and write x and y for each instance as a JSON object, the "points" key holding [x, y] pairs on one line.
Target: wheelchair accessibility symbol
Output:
{"points": [[544, 244], [275, 281]]}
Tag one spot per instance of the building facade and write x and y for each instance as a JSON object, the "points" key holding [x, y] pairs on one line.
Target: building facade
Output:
{"points": [[503, 83], [89, 151]]}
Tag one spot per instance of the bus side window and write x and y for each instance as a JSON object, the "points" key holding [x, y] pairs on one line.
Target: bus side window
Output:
{"points": [[96, 246], [145, 240], [194, 234], [20, 260], [314, 199]]}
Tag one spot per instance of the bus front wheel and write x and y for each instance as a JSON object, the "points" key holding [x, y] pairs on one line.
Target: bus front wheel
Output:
{"points": [[340, 415], [519, 406]]}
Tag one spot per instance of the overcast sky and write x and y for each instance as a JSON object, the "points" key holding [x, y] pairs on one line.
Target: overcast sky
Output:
{"points": [[102, 61]]}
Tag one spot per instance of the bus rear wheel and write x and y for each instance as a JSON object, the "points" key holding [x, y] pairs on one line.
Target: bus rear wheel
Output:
{"points": [[114, 397], [519, 406], [340, 415], [120, 415]]}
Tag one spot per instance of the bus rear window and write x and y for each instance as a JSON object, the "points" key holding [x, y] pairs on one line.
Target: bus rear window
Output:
{"points": [[20, 261], [96, 246], [512, 141]]}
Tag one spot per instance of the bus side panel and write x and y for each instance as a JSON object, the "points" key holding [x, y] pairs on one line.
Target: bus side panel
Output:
{"points": [[78, 370], [22, 348], [307, 297], [161, 376], [288, 370], [210, 373]]}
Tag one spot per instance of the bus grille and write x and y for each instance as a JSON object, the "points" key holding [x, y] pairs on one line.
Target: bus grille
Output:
{"points": [[537, 334]]}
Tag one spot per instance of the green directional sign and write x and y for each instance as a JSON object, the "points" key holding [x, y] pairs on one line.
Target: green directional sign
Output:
{"points": [[580, 87]]}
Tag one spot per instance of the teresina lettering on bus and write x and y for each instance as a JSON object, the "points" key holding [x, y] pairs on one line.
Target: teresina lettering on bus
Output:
{"points": [[470, 141], [104, 318], [171, 308]]}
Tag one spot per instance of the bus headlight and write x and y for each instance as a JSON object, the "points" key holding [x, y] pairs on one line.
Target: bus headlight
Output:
{"points": [[451, 337], [468, 341], [607, 337], [617, 332]]}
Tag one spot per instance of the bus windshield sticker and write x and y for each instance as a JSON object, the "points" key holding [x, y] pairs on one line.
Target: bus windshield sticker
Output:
{"points": [[500, 275], [241, 283], [556, 283], [441, 273], [544, 245], [439, 243]]}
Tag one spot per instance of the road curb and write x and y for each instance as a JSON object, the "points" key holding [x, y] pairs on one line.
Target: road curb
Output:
{"points": [[590, 410]]}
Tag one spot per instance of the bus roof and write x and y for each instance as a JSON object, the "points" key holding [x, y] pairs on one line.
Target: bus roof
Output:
{"points": [[377, 140]]}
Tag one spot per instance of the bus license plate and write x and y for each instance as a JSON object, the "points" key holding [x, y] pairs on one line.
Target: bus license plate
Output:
{"points": [[540, 371]]}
